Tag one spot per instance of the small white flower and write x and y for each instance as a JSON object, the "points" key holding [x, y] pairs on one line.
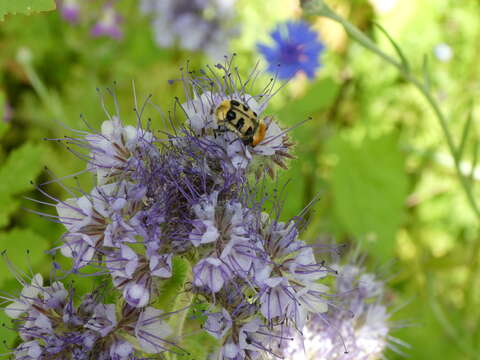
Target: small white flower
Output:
{"points": [[27, 297], [103, 320], [218, 324], [161, 265], [136, 294], [443, 52], [151, 330], [212, 273], [29, 350], [275, 300]]}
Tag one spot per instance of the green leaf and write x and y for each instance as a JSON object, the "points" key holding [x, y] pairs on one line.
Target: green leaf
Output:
{"points": [[465, 133], [318, 97], [16, 243], [174, 285], [427, 78], [7, 207], [199, 345], [403, 58], [22, 166], [369, 187], [25, 7], [6, 333]]}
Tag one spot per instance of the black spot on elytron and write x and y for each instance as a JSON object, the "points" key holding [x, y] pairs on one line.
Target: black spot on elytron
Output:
{"points": [[234, 103], [240, 123], [248, 340], [231, 115], [245, 107], [254, 114], [249, 131]]}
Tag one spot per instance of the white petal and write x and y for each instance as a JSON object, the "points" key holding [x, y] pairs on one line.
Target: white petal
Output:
{"points": [[14, 310], [210, 235], [130, 133], [151, 327], [66, 212], [85, 204], [230, 350], [108, 128]]}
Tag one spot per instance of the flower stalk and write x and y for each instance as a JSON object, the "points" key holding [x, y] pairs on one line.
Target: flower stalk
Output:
{"points": [[320, 8]]}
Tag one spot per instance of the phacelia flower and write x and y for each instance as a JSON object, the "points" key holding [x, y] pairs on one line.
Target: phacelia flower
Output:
{"points": [[189, 196], [212, 274], [52, 327], [70, 10], [360, 331], [194, 25], [206, 91], [108, 23], [296, 49]]}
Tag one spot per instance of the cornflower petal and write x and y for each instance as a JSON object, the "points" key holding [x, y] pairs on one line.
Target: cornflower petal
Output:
{"points": [[296, 49]]}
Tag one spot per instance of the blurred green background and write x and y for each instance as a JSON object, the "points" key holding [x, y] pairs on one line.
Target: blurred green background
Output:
{"points": [[374, 152]]}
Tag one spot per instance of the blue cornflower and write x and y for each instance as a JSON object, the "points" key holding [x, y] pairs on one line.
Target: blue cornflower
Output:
{"points": [[297, 48]]}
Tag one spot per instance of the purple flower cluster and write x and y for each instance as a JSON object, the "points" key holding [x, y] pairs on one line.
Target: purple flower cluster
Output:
{"points": [[51, 326], [107, 22], [358, 329], [194, 25], [194, 194], [189, 194]]}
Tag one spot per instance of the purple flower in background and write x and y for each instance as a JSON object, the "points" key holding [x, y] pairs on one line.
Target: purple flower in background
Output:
{"points": [[70, 10], [102, 18], [296, 49], [358, 330], [108, 23], [205, 25], [7, 112]]}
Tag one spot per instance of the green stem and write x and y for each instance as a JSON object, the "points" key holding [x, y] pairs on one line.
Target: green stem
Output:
{"points": [[51, 103], [446, 324], [320, 8]]}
